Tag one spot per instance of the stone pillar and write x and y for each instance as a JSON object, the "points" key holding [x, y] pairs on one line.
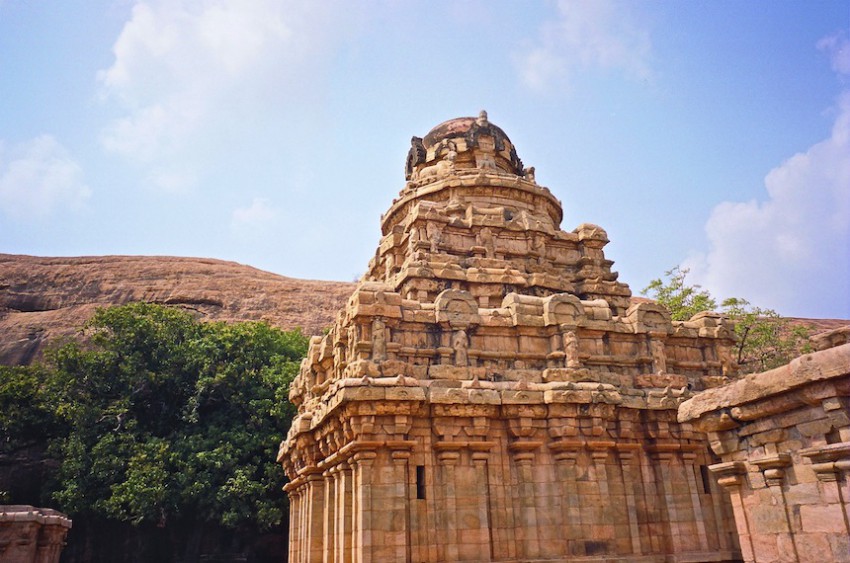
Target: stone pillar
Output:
{"points": [[566, 455], [690, 465], [329, 524], [481, 462], [362, 463], [31, 535], [771, 520], [391, 523], [294, 528], [602, 510], [343, 520], [447, 533], [731, 475], [629, 463], [315, 521], [522, 453], [662, 461]]}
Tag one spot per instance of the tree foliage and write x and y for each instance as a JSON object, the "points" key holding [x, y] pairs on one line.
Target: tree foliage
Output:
{"points": [[162, 418], [682, 300], [765, 340]]}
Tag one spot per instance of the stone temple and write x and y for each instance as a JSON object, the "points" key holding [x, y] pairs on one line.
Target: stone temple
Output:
{"points": [[491, 392]]}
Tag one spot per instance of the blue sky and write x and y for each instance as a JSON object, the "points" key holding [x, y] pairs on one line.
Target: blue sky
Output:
{"points": [[715, 135]]}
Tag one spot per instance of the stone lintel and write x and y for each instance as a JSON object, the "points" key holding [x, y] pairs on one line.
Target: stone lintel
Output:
{"points": [[730, 473], [566, 445], [767, 386], [525, 445], [829, 461], [830, 452], [671, 447], [773, 467]]}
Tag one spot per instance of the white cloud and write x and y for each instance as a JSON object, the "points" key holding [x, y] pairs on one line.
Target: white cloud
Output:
{"points": [[587, 33], [185, 69], [250, 223], [39, 176], [838, 47], [790, 252]]}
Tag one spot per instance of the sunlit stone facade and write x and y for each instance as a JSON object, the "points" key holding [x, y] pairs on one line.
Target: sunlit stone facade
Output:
{"points": [[491, 392]]}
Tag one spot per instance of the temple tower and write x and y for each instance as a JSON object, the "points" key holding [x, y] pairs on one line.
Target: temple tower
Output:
{"points": [[491, 392]]}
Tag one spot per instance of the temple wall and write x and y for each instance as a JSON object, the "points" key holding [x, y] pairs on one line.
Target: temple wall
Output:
{"points": [[31, 535], [490, 475], [784, 439]]}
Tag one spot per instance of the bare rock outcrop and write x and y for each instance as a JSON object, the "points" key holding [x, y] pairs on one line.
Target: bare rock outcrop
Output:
{"points": [[46, 300]]}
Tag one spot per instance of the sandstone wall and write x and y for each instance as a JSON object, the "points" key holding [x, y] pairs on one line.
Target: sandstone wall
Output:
{"points": [[31, 535], [784, 438]]}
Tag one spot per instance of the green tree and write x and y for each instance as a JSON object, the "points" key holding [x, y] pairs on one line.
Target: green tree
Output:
{"points": [[682, 300], [172, 419], [765, 340], [27, 410]]}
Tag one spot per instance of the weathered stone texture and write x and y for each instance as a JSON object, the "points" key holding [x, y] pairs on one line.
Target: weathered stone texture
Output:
{"points": [[490, 393], [44, 301], [784, 437], [31, 535]]}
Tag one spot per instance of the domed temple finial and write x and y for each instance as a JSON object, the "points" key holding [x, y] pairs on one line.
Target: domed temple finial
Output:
{"points": [[482, 117]]}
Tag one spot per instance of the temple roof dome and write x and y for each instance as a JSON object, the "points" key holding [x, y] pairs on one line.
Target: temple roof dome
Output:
{"points": [[468, 142], [459, 127]]}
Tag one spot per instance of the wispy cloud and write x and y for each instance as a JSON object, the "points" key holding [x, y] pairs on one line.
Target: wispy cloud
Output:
{"points": [[585, 34], [790, 252], [183, 71], [37, 178], [250, 223], [837, 46]]}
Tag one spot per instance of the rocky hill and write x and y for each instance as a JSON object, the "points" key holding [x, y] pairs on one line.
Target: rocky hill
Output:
{"points": [[46, 300]]}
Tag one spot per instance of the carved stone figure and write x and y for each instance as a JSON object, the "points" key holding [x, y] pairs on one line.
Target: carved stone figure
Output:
{"points": [[434, 236], [659, 358], [460, 342], [485, 239], [571, 359], [379, 340]]}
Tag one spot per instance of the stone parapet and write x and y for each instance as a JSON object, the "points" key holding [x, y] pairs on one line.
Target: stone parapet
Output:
{"points": [[31, 535], [784, 438]]}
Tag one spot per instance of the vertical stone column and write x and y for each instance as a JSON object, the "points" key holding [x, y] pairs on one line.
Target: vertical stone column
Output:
{"points": [[662, 461], [629, 463], [690, 465], [393, 497], [362, 463], [522, 453], [474, 537], [566, 456], [731, 475], [329, 525], [771, 518], [293, 519], [831, 465], [343, 520], [603, 511], [315, 521], [447, 460]]}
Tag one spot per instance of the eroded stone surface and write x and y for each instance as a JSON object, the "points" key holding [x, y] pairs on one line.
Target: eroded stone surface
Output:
{"points": [[784, 437], [490, 393], [45, 301], [31, 535]]}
